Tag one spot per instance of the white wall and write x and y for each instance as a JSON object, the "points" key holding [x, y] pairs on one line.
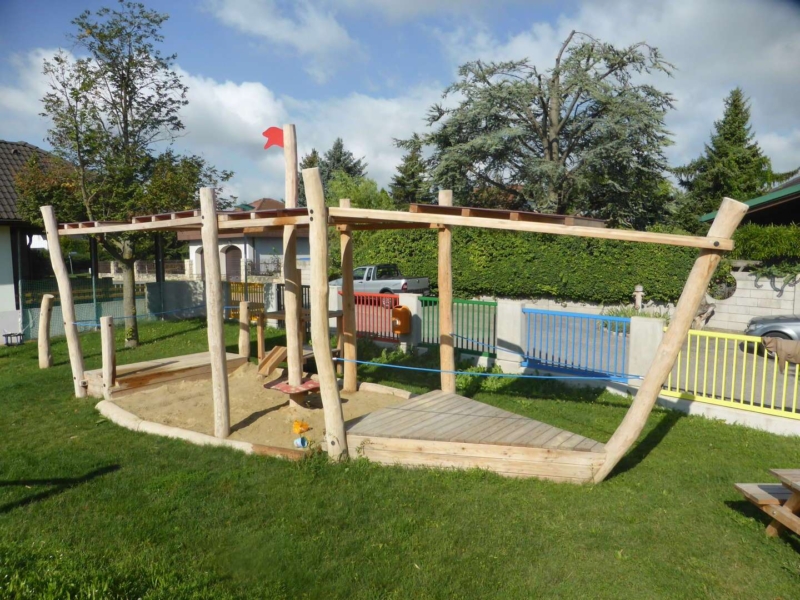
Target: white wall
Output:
{"points": [[6, 271], [754, 297]]}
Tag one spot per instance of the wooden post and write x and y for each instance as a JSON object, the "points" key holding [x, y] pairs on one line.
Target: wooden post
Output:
{"points": [[45, 312], [108, 352], [292, 290], [728, 218], [260, 337], [244, 329], [447, 357], [320, 337], [65, 295], [348, 307], [214, 313]]}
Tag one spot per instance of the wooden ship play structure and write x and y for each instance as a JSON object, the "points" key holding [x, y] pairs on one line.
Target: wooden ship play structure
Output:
{"points": [[441, 428]]}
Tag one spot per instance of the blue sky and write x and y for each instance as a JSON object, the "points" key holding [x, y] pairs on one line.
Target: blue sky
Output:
{"points": [[367, 70]]}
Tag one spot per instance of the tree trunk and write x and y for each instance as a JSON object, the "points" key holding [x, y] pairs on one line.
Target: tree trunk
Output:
{"points": [[129, 296]]}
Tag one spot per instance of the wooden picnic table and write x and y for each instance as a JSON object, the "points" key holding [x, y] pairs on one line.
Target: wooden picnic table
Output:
{"points": [[779, 501]]}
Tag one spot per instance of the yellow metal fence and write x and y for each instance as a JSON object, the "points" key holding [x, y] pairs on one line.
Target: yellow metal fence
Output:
{"points": [[732, 370]]}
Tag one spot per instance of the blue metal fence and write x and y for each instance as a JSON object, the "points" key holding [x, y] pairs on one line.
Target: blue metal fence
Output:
{"points": [[576, 343]]}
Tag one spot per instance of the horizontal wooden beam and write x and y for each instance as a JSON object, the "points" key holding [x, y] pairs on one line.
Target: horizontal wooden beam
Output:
{"points": [[387, 216], [182, 223]]}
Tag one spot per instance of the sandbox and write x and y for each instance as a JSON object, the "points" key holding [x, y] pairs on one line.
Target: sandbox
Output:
{"points": [[258, 415]]}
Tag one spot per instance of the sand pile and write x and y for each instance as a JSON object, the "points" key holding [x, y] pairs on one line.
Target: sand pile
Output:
{"points": [[258, 415]]}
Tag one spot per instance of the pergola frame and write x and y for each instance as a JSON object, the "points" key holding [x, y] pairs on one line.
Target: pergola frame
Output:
{"points": [[317, 217]]}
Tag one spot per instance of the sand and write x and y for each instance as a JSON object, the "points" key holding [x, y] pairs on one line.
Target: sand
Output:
{"points": [[258, 415]]}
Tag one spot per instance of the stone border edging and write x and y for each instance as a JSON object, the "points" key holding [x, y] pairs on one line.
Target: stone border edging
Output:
{"points": [[126, 419]]}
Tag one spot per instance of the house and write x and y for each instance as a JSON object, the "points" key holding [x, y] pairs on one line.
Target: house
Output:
{"points": [[259, 253], [16, 235], [780, 207]]}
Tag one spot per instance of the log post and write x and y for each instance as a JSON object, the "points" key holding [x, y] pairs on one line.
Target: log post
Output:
{"points": [[320, 336], [292, 288], [108, 352], [214, 313], [447, 357], [45, 312], [244, 329], [728, 218], [65, 295], [348, 331], [260, 337]]}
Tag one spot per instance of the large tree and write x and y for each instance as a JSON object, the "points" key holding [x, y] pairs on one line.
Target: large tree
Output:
{"points": [[549, 136], [732, 165], [114, 110], [337, 159], [412, 184]]}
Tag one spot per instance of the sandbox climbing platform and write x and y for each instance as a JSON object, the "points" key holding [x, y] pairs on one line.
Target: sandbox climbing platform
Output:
{"points": [[448, 430]]}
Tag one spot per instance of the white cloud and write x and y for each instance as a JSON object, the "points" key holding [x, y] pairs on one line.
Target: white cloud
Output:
{"points": [[20, 102], [409, 9], [311, 31], [715, 45]]}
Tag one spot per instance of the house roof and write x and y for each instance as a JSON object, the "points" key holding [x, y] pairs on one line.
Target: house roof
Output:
{"points": [[787, 192], [13, 156]]}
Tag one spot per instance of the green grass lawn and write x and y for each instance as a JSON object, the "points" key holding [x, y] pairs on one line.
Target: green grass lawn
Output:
{"points": [[91, 510]]}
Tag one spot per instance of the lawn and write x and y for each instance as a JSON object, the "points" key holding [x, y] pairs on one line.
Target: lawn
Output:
{"points": [[91, 510]]}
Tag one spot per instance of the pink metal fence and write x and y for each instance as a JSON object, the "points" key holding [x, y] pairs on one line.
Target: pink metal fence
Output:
{"points": [[374, 316]]}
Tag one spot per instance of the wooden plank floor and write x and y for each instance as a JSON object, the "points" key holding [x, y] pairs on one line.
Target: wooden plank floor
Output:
{"points": [[134, 377], [452, 432], [437, 416]]}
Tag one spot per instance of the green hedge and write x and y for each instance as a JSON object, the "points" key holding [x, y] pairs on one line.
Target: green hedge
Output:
{"points": [[767, 242], [523, 265]]}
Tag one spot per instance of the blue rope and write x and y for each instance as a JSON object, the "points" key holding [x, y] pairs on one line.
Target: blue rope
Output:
{"points": [[477, 374]]}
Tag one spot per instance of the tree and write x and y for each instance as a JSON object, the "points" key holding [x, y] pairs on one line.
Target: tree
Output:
{"points": [[411, 183], [334, 160], [546, 136], [112, 111], [732, 165], [362, 192]]}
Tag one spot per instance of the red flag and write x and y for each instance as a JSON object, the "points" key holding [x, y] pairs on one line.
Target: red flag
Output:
{"points": [[274, 137]]}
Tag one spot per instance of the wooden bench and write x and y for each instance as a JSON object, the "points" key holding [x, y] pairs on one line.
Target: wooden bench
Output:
{"points": [[781, 501]]}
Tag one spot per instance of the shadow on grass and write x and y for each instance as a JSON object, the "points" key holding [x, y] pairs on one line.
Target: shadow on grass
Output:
{"points": [[59, 485], [643, 448], [747, 509]]}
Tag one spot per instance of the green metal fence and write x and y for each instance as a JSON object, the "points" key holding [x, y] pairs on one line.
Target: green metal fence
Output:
{"points": [[474, 325], [92, 300]]}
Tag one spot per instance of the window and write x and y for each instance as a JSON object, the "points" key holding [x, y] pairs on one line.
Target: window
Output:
{"points": [[358, 274], [388, 272]]}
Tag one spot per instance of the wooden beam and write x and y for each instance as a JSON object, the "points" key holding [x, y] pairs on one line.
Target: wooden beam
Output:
{"points": [[728, 218], [108, 351], [348, 307], [389, 216], [214, 313], [45, 312], [260, 337], [144, 226], [447, 357], [292, 288], [320, 337], [244, 329], [65, 295]]}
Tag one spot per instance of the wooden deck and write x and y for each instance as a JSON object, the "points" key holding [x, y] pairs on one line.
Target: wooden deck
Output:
{"points": [[136, 377], [447, 430]]}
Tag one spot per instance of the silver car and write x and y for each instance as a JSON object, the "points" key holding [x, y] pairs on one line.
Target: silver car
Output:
{"points": [[786, 327]]}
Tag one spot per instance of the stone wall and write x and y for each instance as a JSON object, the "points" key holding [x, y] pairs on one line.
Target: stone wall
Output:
{"points": [[754, 297]]}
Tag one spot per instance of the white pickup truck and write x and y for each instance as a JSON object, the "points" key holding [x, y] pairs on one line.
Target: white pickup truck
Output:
{"points": [[385, 279]]}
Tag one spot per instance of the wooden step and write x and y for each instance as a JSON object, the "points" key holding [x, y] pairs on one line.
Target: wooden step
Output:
{"points": [[273, 358], [764, 494]]}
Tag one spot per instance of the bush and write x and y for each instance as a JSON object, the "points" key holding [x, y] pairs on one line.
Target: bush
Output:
{"points": [[526, 265]]}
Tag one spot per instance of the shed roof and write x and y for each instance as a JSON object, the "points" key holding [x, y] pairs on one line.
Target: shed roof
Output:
{"points": [[787, 192]]}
